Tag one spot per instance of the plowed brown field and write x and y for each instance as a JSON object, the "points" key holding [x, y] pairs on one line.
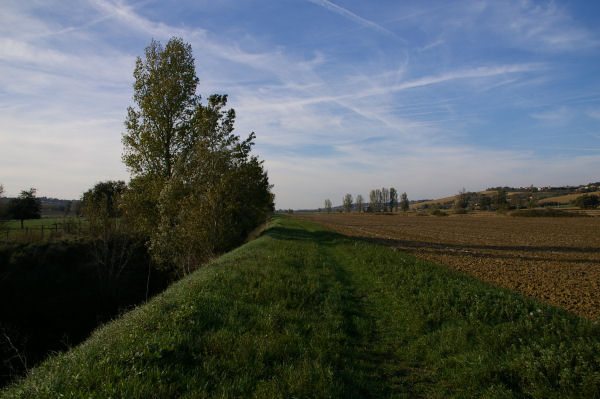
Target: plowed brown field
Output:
{"points": [[556, 260]]}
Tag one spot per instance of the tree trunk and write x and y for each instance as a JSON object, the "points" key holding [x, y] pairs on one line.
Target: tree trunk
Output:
{"points": [[21, 223]]}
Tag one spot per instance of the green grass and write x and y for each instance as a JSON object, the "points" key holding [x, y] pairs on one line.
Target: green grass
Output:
{"points": [[46, 221], [53, 227], [305, 312]]}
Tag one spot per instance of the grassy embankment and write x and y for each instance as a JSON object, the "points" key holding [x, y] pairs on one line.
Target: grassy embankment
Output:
{"points": [[305, 312]]}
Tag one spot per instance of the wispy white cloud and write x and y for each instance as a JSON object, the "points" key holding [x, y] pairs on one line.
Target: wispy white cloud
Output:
{"points": [[326, 125], [547, 25], [433, 44], [353, 17]]}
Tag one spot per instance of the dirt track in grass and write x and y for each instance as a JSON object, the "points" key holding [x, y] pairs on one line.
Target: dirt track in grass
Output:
{"points": [[556, 260]]}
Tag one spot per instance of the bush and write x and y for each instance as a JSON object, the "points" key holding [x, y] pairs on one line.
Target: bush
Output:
{"points": [[548, 212], [437, 212], [587, 201]]}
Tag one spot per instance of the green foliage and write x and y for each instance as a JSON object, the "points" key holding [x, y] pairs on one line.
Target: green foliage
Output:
{"points": [[102, 200], [316, 314], [159, 127], [2, 222], [587, 201], [500, 200], [485, 202], [438, 212], [462, 200], [404, 205], [548, 212], [385, 198], [375, 200], [359, 203], [218, 194], [518, 200], [25, 206], [379, 199], [531, 202], [68, 206], [139, 203], [196, 191], [327, 205], [393, 199], [347, 201]]}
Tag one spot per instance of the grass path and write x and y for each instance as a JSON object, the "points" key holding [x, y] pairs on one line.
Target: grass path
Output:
{"points": [[304, 312]]}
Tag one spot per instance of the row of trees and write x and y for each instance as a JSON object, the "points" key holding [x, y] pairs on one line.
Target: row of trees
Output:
{"points": [[499, 200], [380, 200]]}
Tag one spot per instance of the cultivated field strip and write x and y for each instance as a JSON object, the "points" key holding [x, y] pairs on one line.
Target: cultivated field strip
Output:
{"points": [[556, 260]]}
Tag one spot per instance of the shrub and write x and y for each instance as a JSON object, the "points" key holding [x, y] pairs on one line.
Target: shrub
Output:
{"points": [[587, 201], [548, 212]]}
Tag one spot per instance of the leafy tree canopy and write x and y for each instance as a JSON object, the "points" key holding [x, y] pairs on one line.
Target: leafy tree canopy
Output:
{"points": [[159, 127], [103, 199], [588, 201], [196, 190], [25, 206]]}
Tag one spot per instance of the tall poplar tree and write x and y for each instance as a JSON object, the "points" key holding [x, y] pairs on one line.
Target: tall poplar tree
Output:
{"points": [[393, 199], [359, 203], [327, 205], [404, 204], [158, 127], [196, 190], [347, 202]]}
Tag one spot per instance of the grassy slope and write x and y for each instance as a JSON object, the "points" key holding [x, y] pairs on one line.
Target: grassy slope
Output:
{"points": [[305, 312]]}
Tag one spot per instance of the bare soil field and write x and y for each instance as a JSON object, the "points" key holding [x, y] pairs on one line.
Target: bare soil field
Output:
{"points": [[556, 260]]}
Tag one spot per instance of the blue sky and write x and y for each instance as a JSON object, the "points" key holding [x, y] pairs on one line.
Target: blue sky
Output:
{"points": [[344, 96]]}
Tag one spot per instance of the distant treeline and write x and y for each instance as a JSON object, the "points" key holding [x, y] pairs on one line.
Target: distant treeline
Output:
{"points": [[380, 200], [498, 199]]}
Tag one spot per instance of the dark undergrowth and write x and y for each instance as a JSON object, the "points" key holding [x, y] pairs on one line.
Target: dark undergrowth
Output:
{"points": [[308, 313], [547, 212], [54, 294]]}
